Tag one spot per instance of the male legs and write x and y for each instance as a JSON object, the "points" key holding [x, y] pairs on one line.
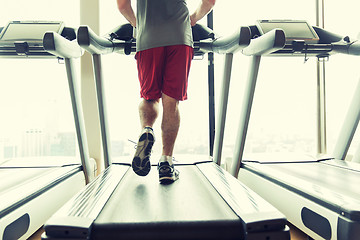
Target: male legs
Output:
{"points": [[163, 73], [148, 112]]}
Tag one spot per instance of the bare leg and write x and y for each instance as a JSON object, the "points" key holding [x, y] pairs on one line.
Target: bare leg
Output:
{"points": [[170, 124], [148, 111]]}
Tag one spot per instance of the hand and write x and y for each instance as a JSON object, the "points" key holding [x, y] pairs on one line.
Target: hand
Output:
{"points": [[192, 20]]}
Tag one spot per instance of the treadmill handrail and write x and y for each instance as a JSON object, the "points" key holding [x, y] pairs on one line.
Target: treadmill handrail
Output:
{"points": [[230, 44], [270, 42], [57, 45], [95, 44], [352, 48]]}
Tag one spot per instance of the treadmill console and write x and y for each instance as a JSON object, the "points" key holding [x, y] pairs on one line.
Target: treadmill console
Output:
{"points": [[25, 38], [295, 30]]}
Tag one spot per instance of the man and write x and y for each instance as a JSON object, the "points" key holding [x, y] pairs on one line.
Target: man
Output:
{"points": [[164, 52]]}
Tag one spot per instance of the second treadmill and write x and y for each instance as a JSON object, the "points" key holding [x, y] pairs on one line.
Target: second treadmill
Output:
{"points": [[323, 192]]}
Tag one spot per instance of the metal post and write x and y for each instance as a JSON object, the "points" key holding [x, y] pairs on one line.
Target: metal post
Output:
{"points": [[105, 135], [224, 96], [349, 128], [90, 16], [245, 115], [79, 120], [211, 83], [356, 157], [321, 91], [321, 108]]}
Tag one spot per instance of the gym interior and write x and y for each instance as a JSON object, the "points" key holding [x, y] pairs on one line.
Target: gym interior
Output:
{"points": [[67, 119]]}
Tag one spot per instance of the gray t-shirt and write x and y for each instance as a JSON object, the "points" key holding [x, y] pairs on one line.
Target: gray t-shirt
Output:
{"points": [[162, 23]]}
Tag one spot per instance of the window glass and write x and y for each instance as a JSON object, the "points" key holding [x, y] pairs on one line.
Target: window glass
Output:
{"points": [[284, 111], [35, 103], [342, 74], [284, 108], [123, 98], [121, 88]]}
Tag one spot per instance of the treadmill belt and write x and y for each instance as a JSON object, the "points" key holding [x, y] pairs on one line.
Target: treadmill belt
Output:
{"points": [[141, 208], [205, 203]]}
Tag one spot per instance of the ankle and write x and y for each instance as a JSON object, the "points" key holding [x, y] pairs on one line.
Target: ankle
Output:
{"points": [[148, 129], [168, 159]]}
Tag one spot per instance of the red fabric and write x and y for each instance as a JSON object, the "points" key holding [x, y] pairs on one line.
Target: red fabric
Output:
{"points": [[164, 70]]}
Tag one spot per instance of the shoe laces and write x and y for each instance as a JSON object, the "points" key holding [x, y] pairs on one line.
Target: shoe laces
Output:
{"points": [[135, 143], [135, 146]]}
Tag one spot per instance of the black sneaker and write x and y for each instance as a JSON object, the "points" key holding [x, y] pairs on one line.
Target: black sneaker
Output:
{"points": [[167, 173], [141, 161]]}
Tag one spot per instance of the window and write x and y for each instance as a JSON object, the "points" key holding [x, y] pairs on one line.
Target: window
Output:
{"points": [[35, 103], [123, 98], [283, 115], [284, 110], [342, 75]]}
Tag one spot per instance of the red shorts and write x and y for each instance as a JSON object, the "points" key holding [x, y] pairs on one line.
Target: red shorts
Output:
{"points": [[164, 70]]}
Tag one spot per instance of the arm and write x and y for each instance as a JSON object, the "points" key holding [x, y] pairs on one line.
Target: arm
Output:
{"points": [[203, 9], [127, 11]]}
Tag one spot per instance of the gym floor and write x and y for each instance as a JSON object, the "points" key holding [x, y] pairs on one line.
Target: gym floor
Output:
{"points": [[295, 233]]}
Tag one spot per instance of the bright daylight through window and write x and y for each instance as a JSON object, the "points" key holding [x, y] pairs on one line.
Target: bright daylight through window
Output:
{"points": [[36, 110], [35, 103]]}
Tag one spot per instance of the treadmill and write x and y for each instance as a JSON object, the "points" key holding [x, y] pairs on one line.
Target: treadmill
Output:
{"points": [[205, 203], [32, 189], [320, 196]]}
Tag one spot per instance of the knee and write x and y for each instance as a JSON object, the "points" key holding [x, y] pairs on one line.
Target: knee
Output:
{"points": [[149, 102], [168, 101]]}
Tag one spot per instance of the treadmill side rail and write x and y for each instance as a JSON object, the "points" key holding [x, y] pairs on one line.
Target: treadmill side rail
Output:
{"points": [[75, 218], [71, 226], [256, 214]]}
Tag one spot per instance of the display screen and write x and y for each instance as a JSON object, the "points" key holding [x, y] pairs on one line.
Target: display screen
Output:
{"points": [[293, 29], [28, 31]]}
